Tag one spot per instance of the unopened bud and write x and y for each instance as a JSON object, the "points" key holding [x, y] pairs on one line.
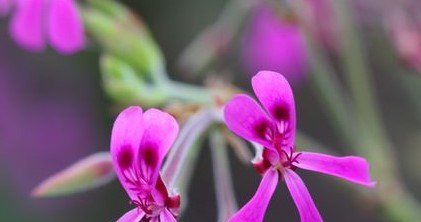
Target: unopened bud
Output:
{"points": [[122, 83], [124, 35]]}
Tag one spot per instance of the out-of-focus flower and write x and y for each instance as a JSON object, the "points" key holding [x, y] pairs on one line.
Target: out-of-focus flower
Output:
{"points": [[36, 22], [274, 43], [321, 20], [275, 131], [139, 143], [405, 34]]}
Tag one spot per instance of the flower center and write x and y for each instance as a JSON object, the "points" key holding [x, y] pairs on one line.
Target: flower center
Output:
{"points": [[285, 158], [288, 158], [147, 205]]}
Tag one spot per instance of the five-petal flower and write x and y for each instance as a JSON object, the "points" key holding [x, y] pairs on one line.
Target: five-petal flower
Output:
{"points": [[275, 130], [139, 143]]}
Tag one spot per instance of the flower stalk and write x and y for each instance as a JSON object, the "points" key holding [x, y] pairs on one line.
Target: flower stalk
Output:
{"points": [[225, 195], [374, 143], [189, 134]]}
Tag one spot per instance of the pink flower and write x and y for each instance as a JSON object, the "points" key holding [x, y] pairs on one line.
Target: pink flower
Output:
{"points": [[139, 143], [405, 34], [275, 130], [274, 44], [35, 22]]}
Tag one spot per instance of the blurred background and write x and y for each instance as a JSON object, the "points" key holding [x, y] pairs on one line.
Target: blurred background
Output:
{"points": [[53, 110]]}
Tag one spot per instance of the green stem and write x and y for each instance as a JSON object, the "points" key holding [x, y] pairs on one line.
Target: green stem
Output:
{"points": [[215, 39], [330, 92], [412, 87], [325, 83], [187, 92], [374, 143]]}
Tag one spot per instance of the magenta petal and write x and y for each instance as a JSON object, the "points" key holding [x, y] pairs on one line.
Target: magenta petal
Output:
{"points": [[134, 215], [65, 28], [161, 129], [125, 139], [273, 43], [275, 93], [247, 119], [303, 201], [166, 216], [26, 25], [352, 168], [254, 210]]}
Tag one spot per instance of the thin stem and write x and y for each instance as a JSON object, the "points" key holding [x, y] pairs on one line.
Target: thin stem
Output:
{"points": [[412, 87], [330, 92], [215, 39], [187, 92], [178, 90], [189, 134], [183, 182], [374, 143], [225, 195], [326, 85]]}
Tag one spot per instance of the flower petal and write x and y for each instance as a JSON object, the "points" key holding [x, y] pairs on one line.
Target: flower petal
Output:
{"points": [[166, 216], [303, 201], [273, 43], [247, 119], [65, 29], [254, 210], [26, 25], [275, 93], [125, 139], [352, 168], [134, 215], [161, 129]]}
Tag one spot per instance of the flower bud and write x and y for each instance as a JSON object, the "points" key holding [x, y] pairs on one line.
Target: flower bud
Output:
{"points": [[122, 83], [124, 36]]}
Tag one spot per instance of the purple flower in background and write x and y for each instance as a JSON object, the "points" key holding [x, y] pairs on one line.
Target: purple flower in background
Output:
{"points": [[139, 143], [275, 130], [274, 44], [36, 22]]}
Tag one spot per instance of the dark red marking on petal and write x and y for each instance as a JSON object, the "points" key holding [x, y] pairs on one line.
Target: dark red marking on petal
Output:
{"points": [[149, 155], [280, 112], [125, 157], [262, 129], [160, 186]]}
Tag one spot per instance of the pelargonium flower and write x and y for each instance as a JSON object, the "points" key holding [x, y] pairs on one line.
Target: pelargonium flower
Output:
{"points": [[275, 130], [35, 22], [139, 143], [275, 44]]}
